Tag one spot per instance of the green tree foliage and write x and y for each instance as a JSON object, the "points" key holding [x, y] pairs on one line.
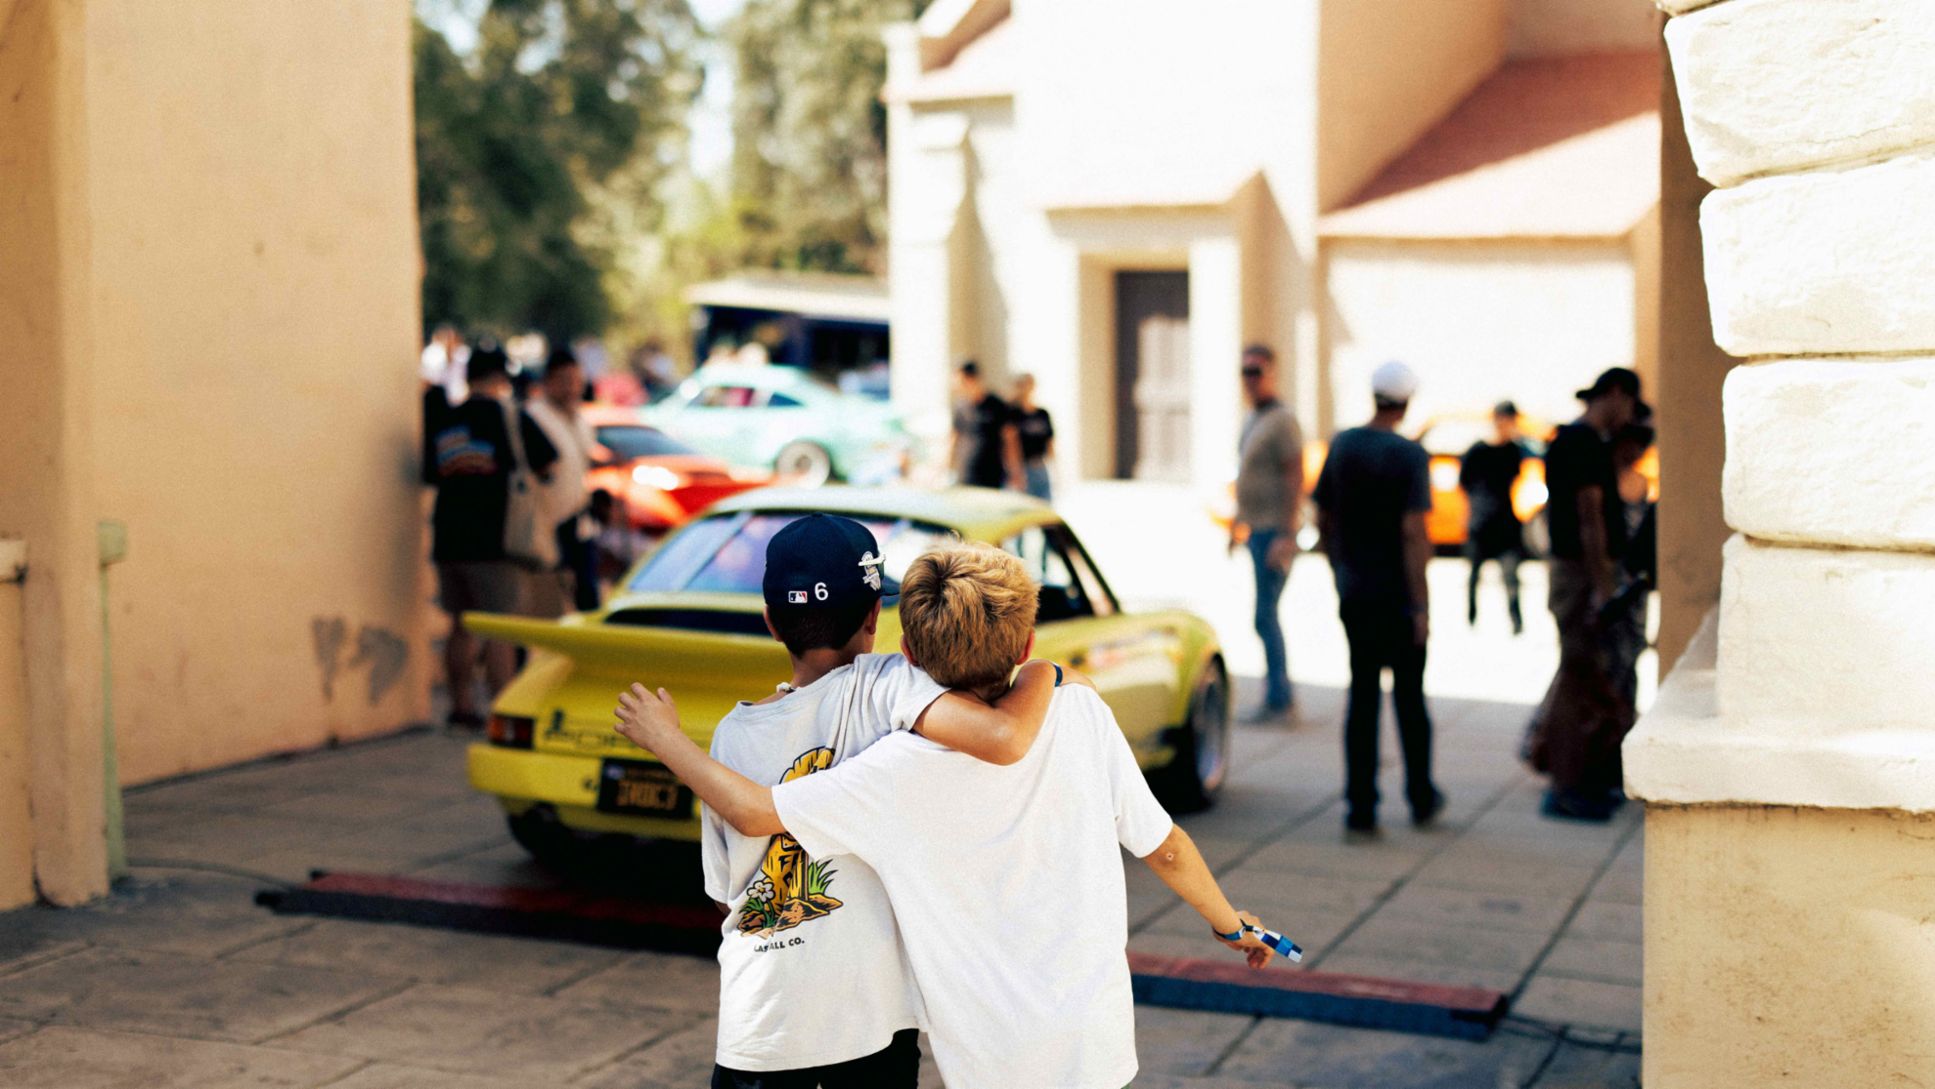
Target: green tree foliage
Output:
{"points": [[539, 152], [809, 168]]}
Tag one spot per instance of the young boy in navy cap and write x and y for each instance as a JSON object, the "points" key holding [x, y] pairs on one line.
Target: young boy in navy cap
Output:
{"points": [[814, 987]]}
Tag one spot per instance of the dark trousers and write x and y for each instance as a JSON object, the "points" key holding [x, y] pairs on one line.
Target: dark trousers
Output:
{"points": [[896, 1066], [1508, 560], [1577, 730], [1382, 637], [580, 557]]}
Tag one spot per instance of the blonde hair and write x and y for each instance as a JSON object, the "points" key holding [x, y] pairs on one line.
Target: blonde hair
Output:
{"points": [[967, 612]]}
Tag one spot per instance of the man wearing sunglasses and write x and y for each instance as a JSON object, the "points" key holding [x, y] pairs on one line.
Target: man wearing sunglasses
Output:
{"points": [[1269, 498]]}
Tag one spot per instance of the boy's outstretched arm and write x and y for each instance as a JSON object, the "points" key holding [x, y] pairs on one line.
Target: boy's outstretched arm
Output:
{"points": [[1001, 732], [652, 723], [1181, 867]]}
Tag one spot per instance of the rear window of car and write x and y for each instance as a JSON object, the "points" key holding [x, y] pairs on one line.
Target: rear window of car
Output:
{"points": [[627, 442], [726, 553]]}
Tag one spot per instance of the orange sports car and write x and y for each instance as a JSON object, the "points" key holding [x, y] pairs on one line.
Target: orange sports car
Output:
{"points": [[662, 482]]}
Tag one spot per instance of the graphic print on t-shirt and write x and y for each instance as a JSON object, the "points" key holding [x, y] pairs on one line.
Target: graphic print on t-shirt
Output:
{"points": [[791, 888]]}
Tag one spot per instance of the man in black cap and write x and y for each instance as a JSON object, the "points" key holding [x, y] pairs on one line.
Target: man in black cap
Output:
{"points": [[1576, 731]]}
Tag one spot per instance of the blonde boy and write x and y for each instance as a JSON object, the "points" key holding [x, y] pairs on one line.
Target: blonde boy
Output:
{"points": [[1006, 881]]}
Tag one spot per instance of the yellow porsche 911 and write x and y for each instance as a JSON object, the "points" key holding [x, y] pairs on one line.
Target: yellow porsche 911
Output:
{"points": [[689, 618]]}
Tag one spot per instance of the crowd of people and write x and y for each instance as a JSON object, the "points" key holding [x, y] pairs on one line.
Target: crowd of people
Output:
{"points": [[998, 443], [1371, 500], [515, 528]]}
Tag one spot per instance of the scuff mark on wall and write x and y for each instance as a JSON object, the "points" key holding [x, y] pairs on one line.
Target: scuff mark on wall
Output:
{"points": [[330, 633], [386, 652]]}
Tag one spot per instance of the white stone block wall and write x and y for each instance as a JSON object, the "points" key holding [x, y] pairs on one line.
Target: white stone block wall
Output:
{"points": [[1816, 120]]}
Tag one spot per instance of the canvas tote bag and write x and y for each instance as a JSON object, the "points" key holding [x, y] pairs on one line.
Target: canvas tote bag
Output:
{"points": [[529, 537]]}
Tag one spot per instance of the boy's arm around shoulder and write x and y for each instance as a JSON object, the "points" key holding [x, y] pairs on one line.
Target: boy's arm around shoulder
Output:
{"points": [[1001, 732], [651, 721]]}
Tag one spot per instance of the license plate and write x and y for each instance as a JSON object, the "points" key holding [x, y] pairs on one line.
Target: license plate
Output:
{"points": [[639, 788]]}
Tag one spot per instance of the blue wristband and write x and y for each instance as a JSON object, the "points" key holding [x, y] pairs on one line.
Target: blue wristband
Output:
{"points": [[1058, 673], [1233, 936]]}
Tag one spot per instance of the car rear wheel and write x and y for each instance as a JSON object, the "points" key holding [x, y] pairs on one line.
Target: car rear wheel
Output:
{"points": [[807, 462], [549, 843], [1194, 778]]}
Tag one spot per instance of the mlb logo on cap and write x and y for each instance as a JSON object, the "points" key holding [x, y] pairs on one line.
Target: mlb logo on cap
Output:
{"points": [[823, 561]]}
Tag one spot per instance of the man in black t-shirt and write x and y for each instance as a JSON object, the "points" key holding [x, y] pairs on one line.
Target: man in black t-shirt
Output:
{"points": [[1372, 497], [986, 448], [1488, 473], [470, 459], [1576, 732]]}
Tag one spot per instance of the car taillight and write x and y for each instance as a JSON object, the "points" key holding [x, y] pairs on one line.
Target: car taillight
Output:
{"points": [[511, 731]]}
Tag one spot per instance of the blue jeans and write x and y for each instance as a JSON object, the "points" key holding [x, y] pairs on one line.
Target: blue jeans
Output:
{"points": [[1037, 473], [1269, 626]]}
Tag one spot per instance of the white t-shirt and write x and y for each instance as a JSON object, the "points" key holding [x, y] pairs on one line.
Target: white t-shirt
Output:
{"points": [[811, 969], [1008, 885]]}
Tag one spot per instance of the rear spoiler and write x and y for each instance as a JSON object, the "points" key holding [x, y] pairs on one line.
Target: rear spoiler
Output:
{"points": [[671, 653]]}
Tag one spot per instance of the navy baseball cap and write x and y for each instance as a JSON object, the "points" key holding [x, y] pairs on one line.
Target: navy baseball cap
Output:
{"points": [[827, 562]]}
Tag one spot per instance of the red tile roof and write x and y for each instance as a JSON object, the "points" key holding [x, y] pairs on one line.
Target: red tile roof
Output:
{"points": [[1547, 147]]}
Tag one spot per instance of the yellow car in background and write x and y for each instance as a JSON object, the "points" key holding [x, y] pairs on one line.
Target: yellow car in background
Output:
{"points": [[689, 618]]}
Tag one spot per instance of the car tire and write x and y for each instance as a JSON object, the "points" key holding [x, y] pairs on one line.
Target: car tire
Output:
{"points": [[807, 462], [1193, 779], [550, 844]]}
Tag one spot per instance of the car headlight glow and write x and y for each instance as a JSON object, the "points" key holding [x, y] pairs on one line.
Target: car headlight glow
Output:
{"points": [[656, 476]]}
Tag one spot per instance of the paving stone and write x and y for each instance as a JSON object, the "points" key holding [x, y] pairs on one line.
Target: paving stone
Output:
{"points": [[1372, 858], [1476, 908], [1409, 940], [72, 1058], [1582, 1002], [1185, 1042], [1155, 1080], [1504, 872], [230, 839], [1315, 891], [350, 810], [1593, 958], [392, 1076], [1621, 885], [10, 1028], [1606, 920], [427, 955], [1576, 1067], [536, 1039], [188, 913], [161, 993], [681, 1058], [1309, 928], [1303, 1052], [666, 981], [33, 934], [1412, 970]]}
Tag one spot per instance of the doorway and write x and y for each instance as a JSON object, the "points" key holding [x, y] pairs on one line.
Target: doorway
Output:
{"points": [[1152, 376]]}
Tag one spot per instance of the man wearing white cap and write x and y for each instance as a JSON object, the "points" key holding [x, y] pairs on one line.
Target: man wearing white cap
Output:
{"points": [[1372, 496]]}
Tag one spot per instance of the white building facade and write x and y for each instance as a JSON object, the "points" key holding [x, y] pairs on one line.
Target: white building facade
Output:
{"points": [[1116, 198]]}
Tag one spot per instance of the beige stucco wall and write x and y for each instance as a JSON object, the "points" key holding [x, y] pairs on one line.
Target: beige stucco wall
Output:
{"points": [[1387, 72], [209, 263], [1479, 321], [255, 317], [1795, 945], [46, 442]]}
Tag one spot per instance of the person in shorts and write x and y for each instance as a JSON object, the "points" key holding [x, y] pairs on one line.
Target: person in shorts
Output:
{"points": [[469, 461]]}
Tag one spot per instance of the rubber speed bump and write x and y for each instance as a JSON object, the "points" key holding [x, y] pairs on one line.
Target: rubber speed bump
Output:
{"points": [[1227, 986], [591, 918], [595, 918]]}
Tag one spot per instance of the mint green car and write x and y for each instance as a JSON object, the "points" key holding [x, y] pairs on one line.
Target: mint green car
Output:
{"points": [[785, 419]]}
